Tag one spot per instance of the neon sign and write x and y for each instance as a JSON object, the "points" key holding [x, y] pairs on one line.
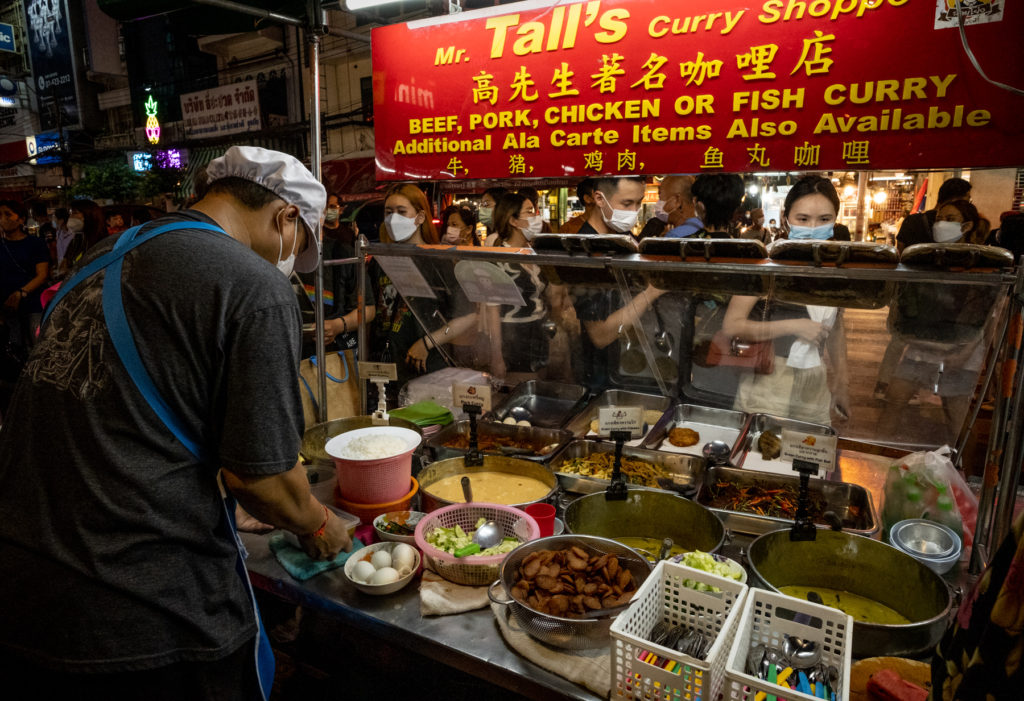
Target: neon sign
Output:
{"points": [[152, 125]]}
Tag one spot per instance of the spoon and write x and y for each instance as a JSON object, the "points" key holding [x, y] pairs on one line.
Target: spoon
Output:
{"points": [[666, 548], [663, 342], [487, 535], [716, 452], [802, 654]]}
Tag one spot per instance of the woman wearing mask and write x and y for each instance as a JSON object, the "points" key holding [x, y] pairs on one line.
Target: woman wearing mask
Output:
{"points": [[397, 335], [520, 341], [956, 222], [485, 212], [802, 336], [458, 226]]}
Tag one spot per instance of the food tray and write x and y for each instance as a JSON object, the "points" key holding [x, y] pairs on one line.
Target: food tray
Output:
{"points": [[850, 502], [686, 470], [712, 424], [579, 425], [545, 404], [745, 453], [537, 438], [644, 670], [767, 619]]}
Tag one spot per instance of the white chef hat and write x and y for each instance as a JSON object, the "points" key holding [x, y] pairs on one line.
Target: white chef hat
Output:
{"points": [[287, 178]]}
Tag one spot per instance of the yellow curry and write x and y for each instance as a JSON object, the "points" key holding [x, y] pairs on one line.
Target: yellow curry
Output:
{"points": [[492, 487], [648, 546], [861, 608]]}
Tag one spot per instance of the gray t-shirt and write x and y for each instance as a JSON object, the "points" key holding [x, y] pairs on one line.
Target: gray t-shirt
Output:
{"points": [[117, 554]]}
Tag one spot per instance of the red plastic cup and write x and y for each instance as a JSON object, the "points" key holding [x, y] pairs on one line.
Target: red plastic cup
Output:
{"points": [[544, 514]]}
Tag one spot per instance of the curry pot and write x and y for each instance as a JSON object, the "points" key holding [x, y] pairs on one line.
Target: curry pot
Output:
{"points": [[437, 471], [647, 513], [866, 567]]}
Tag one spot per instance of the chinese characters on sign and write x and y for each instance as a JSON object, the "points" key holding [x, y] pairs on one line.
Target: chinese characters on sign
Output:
{"points": [[629, 86]]}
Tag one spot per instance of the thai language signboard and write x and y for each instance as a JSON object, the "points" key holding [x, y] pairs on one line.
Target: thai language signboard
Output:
{"points": [[545, 89], [228, 109]]}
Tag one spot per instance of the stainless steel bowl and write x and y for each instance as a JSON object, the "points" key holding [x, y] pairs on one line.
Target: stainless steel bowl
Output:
{"points": [[565, 633], [921, 537]]}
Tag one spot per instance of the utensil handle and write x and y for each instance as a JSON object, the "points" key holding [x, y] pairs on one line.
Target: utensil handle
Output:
{"points": [[467, 489]]}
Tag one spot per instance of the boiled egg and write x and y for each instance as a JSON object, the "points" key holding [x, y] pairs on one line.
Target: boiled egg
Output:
{"points": [[363, 571], [523, 422], [385, 575], [509, 420], [403, 557], [381, 559]]}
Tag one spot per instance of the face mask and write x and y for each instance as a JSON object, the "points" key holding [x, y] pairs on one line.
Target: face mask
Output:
{"points": [[486, 215], [946, 231], [400, 228], [819, 233], [452, 235], [286, 265], [659, 211], [621, 220], [75, 225], [332, 215], [534, 225]]}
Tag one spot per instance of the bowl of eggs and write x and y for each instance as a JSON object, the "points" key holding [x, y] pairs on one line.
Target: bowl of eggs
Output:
{"points": [[382, 568]]}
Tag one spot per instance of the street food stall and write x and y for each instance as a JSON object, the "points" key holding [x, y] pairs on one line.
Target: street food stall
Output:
{"points": [[796, 511]]}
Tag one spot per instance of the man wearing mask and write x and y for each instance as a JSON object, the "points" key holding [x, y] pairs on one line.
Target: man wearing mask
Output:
{"points": [[616, 206], [670, 209], [917, 228], [192, 333]]}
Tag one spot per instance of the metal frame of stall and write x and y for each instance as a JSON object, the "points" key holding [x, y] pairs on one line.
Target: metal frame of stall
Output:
{"points": [[1005, 450]]}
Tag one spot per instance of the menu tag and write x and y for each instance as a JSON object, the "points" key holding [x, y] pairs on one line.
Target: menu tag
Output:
{"points": [[406, 277], [378, 372], [812, 448], [486, 283], [464, 393], [621, 418]]}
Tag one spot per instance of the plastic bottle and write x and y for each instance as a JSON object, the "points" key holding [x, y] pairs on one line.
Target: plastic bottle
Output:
{"points": [[893, 509], [912, 506], [946, 514]]}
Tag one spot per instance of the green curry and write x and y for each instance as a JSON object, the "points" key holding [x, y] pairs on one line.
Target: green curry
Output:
{"points": [[861, 608]]}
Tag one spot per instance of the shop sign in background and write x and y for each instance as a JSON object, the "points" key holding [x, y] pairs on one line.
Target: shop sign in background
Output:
{"points": [[53, 65], [228, 109], [539, 89]]}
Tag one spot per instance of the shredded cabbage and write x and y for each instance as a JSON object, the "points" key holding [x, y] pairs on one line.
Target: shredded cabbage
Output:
{"points": [[454, 538]]}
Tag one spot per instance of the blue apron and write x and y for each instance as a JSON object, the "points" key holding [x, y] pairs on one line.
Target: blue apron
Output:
{"points": [[124, 344]]}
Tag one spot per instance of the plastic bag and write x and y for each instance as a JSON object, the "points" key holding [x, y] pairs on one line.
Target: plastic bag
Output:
{"points": [[933, 473]]}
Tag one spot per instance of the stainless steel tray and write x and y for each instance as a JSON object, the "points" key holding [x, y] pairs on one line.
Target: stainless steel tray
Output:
{"points": [[579, 425], [543, 404], [686, 471], [850, 502], [538, 438], [746, 455], [712, 424]]}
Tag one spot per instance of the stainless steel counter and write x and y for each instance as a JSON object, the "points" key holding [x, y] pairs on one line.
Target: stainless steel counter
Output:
{"points": [[470, 642]]}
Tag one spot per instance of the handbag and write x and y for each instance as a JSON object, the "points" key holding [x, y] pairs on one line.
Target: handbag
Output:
{"points": [[344, 398], [730, 351]]}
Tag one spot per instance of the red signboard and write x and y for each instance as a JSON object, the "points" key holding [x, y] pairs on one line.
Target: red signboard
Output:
{"points": [[649, 87]]}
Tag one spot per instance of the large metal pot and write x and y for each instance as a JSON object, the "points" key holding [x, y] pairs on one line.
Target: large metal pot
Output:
{"points": [[647, 513], [316, 436], [865, 567], [437, 471], [566, 633]]}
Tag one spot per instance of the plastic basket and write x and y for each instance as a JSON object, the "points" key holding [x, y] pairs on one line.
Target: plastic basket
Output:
{"points": [[368, 512], [378, 480], [642, 670], [473, 569], [767, 620]]}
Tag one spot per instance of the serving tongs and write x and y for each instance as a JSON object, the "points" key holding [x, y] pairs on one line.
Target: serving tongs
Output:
{"points": [[617, 490]]}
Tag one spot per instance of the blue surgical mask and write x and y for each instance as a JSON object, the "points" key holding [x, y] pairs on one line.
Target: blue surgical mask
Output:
{"points": [[819, 233]]}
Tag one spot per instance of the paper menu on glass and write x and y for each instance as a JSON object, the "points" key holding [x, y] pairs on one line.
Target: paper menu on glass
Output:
{"points": [[406, 277], [487, 283]]}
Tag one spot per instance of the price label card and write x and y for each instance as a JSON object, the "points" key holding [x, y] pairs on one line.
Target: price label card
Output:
{"points": [[378, 372], [463, 393], [407, 278], [486, 283], [621, 418], [809, 448]]}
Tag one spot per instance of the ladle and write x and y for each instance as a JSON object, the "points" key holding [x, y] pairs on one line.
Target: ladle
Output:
{"points": [[486, 536], [716, 452]]}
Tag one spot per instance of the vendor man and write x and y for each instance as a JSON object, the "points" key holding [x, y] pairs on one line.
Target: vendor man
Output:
{"points": [[155, 383]]}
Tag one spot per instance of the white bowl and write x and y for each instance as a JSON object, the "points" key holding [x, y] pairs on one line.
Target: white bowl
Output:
{"points": [[411, 518], [380, 589]]}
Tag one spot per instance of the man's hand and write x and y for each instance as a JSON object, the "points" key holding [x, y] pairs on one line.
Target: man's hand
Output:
{"points": [[247, 523], [327, 546]]}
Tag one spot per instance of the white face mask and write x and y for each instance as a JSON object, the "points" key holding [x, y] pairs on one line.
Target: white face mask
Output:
{"points": [[621, 220], [659, 211], [534, 225], [75, 225], [946, 231], [332, 215], [286, 265], [452, 235], [400, 228]]}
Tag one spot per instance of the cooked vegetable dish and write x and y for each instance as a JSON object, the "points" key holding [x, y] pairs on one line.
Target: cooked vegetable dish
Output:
{"points": [[600, 465], [763, 500]]}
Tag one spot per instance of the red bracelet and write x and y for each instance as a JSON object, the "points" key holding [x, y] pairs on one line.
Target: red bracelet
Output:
{"points": [[318, 533]]}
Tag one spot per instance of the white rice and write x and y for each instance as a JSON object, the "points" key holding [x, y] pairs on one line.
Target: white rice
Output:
{"points": [[373, 447]]}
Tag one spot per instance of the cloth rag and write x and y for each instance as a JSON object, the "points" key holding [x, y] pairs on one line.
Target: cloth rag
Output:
{"points": [[804, 355], [589, 668], [439, 597], [300, 565], [424, 414]]}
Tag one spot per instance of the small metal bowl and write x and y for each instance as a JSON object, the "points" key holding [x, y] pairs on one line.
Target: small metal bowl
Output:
{"points": [[932, 544]]}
